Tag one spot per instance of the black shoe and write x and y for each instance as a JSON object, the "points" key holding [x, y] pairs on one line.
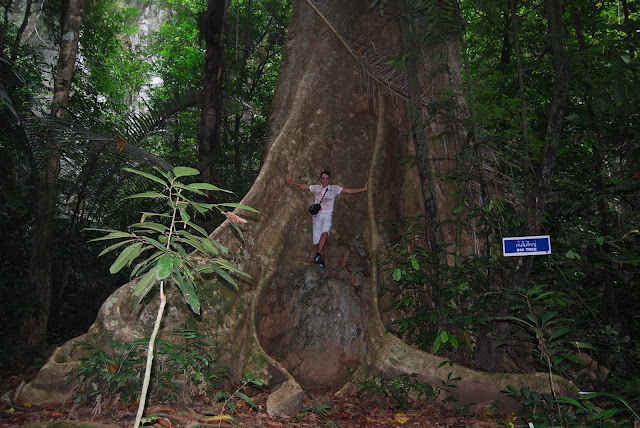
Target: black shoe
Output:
{"points": [[321, 264], [317, 258]]}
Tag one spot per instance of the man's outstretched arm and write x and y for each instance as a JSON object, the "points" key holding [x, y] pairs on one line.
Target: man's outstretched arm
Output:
{"points": [[351, 191], [296, 185]]}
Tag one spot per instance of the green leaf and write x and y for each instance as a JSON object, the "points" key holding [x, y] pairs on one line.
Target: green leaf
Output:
{"points": [[548, 316], [116, 234], [246, 398], [149, 194], [224, 275], [206, 246], [179, 248], [189, 293], [559, 332], [147, 281], [184, 215], [198, 228], [201, 207], [397, 274], [145, 264], [184, 171], [149, 176], [165, 266], [207, 186], [114, 246], [145, 285], [157, 227], [414, 263], [232, 205], [436, 344], [222, 248], [125, 257], [153, 242], [584, 345], [606, 414], [186, 187], [454, 341]]}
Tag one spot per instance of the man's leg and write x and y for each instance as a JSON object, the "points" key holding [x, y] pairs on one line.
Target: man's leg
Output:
{"points": [[322, 242]]}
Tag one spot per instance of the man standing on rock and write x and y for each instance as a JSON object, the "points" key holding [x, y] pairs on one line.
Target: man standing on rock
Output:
{"points": [[325, 195]]}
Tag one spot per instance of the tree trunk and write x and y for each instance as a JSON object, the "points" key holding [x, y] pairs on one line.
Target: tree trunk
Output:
{"points": [[40, 264], [292, 317], [23, 26], [211, 24]]}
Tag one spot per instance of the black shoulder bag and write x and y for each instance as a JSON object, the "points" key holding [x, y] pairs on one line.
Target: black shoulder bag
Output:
{"points": [[315, 208]]}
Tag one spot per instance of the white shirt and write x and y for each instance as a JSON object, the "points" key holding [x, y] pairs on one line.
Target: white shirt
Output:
{"points": [[329, 197]]}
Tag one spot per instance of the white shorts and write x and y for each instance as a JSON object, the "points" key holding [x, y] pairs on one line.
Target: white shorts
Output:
{"points": [[321, 224]]}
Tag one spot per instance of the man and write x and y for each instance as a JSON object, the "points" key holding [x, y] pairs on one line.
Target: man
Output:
{"points": [[325, 195]]}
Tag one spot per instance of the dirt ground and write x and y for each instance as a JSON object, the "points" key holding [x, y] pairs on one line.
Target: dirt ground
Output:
{"points": [[326, 410]]}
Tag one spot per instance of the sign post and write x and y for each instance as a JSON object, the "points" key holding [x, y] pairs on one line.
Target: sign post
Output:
{"points": [[526, 246]]}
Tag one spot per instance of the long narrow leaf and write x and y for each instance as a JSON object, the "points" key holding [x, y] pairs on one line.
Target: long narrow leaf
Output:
{"points": [[246, 398], [149, 281], [198, 228], [234, 205], [145, 283], [184, 171], [150, 194], [113, 235], [189, 293], [224, 275], [559, 332], [114, 246], [207, 186], [178, 185], [162, 182], [125, 257], [145, 264], [160, 228]]}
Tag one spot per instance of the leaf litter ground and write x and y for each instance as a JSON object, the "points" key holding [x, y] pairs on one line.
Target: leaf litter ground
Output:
{"points": [[360, 409]]}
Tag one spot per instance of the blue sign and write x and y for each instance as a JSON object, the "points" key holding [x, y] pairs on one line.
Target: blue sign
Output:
{"points": [[526, 246]]}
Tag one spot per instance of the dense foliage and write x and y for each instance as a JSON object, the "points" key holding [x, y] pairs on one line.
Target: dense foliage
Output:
{"points": [[134, 102]]}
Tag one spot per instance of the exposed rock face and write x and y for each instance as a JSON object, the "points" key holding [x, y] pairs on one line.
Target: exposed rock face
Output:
{"points": [[315, 323]]}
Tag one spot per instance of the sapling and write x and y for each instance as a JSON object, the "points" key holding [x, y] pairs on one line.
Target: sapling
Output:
{"points": [[161, 244]]}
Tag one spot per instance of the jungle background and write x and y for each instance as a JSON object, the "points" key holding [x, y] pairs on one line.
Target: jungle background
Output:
{"points": [[135, 99]]}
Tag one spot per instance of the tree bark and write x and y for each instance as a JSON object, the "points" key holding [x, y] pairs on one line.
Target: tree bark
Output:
{"points": [[23, 26], [41, 261], [212, 23]]}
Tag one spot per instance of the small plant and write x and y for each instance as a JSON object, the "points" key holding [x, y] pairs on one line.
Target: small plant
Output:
{"points": [[434, 306], [117, 374], [320, 410], [550, 336], [186, 369], [545, 410], [547, 332], [108, 376], [160, 245], [239, 395], [400, 390]]}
